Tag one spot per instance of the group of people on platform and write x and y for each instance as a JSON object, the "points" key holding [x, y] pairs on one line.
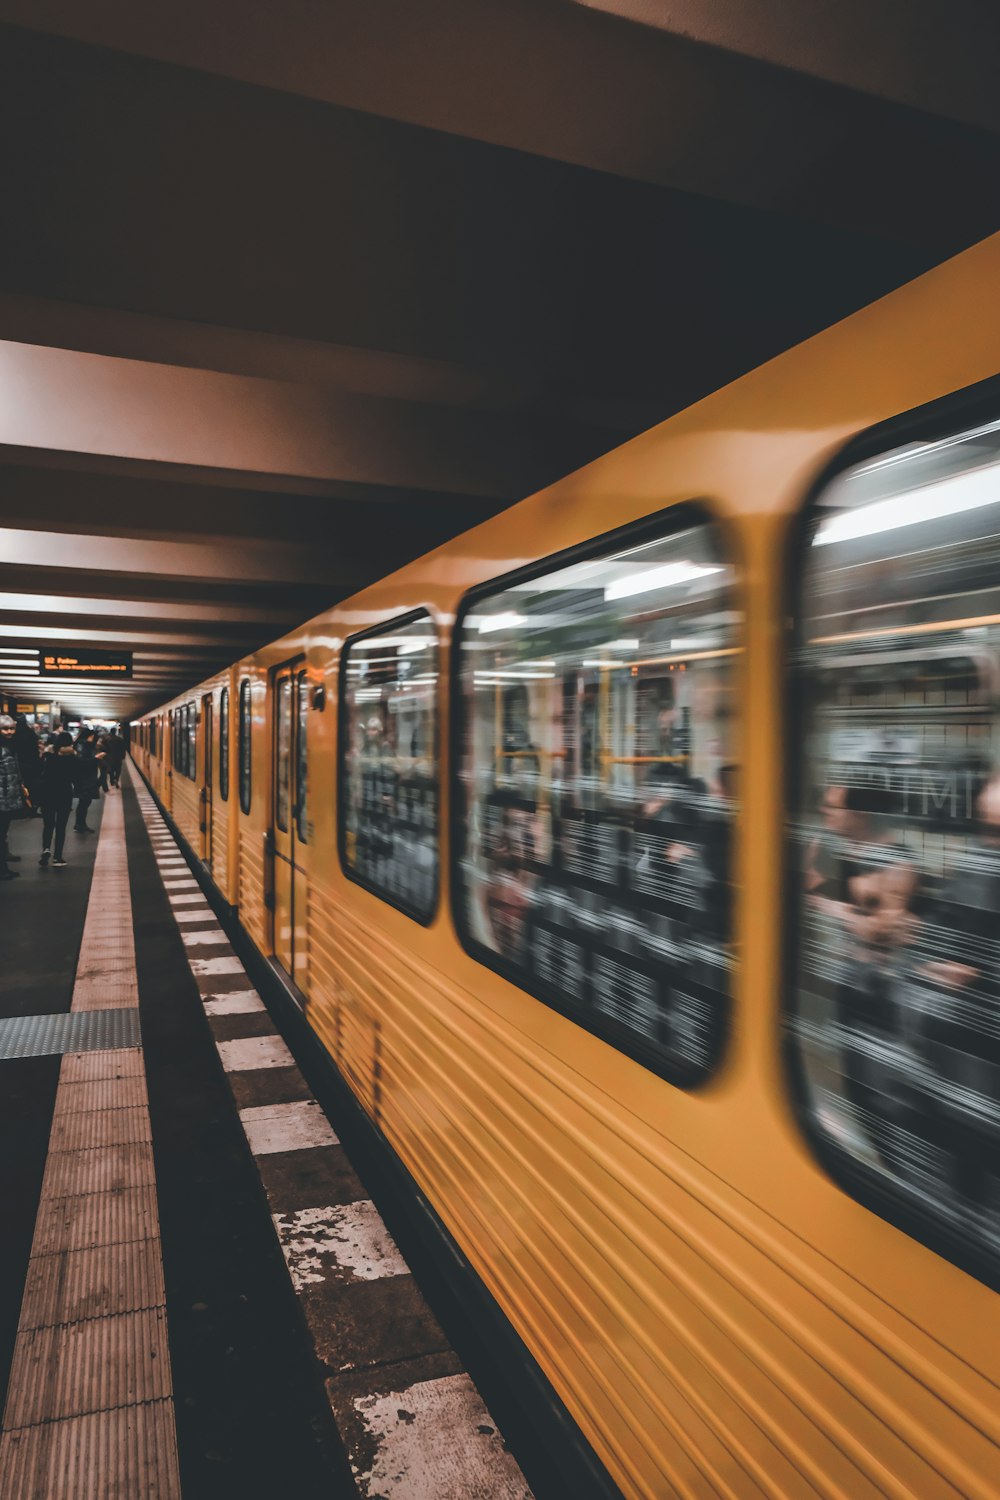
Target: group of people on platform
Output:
{"points": [[42, 773]]}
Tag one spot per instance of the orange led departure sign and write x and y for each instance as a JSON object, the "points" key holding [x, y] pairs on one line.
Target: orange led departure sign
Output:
{"points": [[80, 661]]}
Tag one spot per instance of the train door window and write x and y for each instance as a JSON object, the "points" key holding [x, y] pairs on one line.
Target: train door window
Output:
{"points": [[224, 744], [302, 758], [894, 1030], [283, 753], [191, 766], [388, 823], [245, 745], [596, 788]]}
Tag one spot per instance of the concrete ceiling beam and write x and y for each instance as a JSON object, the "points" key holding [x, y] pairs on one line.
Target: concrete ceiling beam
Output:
{"points": [[237, 559], [19, 634], [86, 403], [934, 55], [521, 74], [125, 334], [247, 615]]}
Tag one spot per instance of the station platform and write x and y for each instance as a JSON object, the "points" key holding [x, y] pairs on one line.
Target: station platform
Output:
{"points": [[198, 1295]]}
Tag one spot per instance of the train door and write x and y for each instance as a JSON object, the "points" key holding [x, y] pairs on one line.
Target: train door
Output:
{"points": [[169, 752], [289, 827], [207, 760]]}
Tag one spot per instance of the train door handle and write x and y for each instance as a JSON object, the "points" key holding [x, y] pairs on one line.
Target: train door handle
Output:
{"points": [[269, 870]]}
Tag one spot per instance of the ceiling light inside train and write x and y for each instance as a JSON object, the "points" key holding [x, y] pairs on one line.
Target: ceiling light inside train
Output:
{"points": [[405, 643], [665, 577], [506, 621], [946, 497]]}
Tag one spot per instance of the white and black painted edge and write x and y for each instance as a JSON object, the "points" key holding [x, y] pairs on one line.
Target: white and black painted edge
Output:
{"points": [[413, 1424]]}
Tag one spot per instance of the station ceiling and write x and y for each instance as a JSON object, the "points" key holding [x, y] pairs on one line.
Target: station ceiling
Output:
{"points": [[289, 295]]}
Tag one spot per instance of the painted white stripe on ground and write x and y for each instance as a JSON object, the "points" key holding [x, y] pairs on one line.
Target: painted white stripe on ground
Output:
{"points": [[206, 935], [436, 1441], [338, 1245], [241, 1002], [286, 1127], [228, 964], [185, 898], [431, 1441], [247, 1053], [188, 883]]}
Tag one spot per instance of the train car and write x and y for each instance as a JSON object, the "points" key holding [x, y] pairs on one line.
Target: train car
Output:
{"points": [[184, 752], [636, 858]]}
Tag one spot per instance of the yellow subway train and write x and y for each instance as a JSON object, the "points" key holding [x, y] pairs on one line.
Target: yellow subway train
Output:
{"points": [[636, 859]]}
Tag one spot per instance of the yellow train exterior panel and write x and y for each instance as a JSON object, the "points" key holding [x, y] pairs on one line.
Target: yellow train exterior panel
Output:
{"points": [[718, 1315]]}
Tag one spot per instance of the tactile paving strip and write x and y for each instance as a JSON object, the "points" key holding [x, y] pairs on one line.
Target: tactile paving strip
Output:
{"points": [[72, 1031], [89, 1414], [114, 1455]]}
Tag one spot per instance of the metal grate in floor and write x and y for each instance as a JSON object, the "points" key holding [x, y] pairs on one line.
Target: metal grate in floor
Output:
{"points": [[72, 1031]]}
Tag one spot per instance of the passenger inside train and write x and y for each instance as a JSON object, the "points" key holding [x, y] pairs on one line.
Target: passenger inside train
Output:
{"points": [[899, 966], [598, 771]]}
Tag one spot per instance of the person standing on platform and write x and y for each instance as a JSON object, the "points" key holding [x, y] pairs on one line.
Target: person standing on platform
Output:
{"points": [[27, 750], [88, 770], [114, 749], [55, 795], [11, 793], [101, 746]]}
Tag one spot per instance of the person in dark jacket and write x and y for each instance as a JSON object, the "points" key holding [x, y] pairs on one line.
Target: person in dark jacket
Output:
{"points": [[11, 794], [28, 751], [55, 795], [87, 779], [114, 749], [101, 746]]}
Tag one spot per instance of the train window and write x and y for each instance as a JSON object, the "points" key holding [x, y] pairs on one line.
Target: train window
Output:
{"points": [[192, 742], [302, 760], [174, 739], [283, 753], [895, 1024], [597, 779], [244, 745], [388, 826], [224, 744]]}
